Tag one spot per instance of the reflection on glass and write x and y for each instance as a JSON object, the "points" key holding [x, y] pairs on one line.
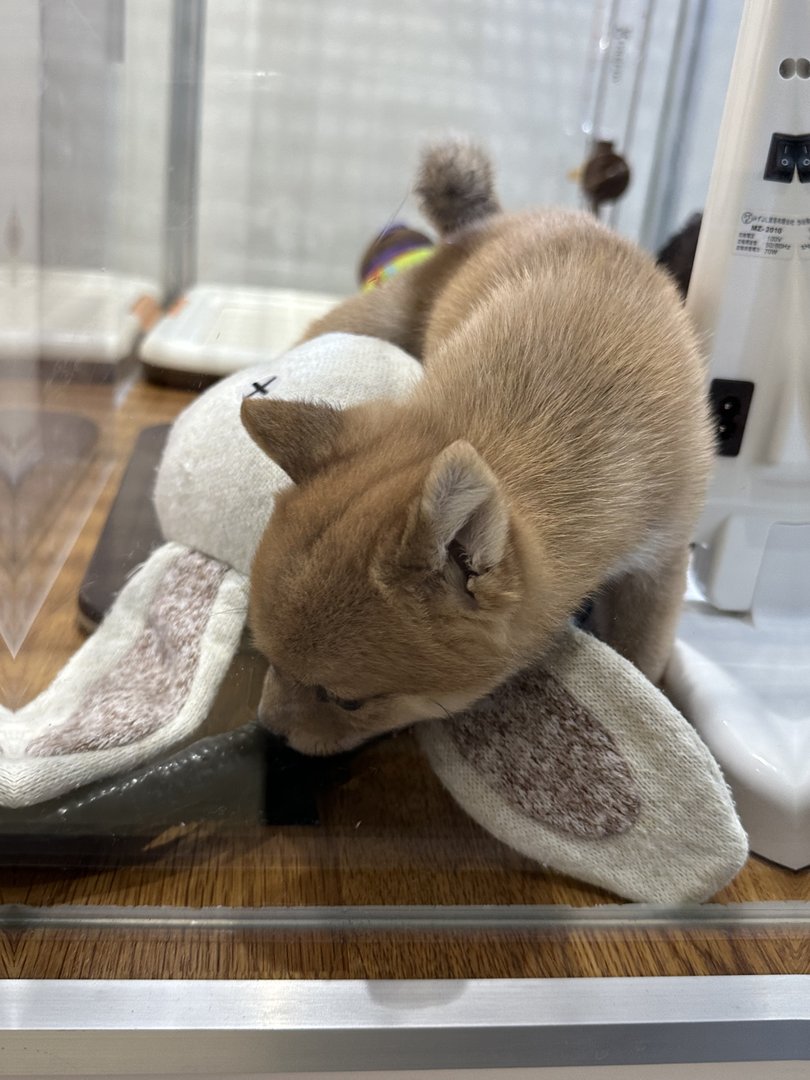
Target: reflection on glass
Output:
{"points": [[185, 188]]}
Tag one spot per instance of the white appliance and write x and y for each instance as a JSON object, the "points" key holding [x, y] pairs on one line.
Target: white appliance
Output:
{"points": [[741, 669]]}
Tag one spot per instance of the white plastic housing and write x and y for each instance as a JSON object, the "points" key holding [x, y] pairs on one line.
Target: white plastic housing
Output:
{"points": [[753, 307], [743, 674]]}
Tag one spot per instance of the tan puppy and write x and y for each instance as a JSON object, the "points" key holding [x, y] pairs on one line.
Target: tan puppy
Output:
{"points": [[557, 447]]}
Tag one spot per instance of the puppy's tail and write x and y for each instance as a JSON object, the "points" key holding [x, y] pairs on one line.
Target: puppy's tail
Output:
{"points": [[455, 185]]}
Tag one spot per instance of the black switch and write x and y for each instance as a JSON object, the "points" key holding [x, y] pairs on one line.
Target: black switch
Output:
{"points": [[730, 401], [803, 159], [781, 163]]}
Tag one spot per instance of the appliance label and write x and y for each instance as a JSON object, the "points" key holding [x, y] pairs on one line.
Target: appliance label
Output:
{"points": [[803, 237], [772, 236]]}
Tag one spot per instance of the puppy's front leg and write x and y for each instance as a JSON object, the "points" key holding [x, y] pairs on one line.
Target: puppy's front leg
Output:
{"points": [[637, 613]]}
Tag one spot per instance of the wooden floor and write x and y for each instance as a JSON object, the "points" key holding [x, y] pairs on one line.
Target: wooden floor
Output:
{"points": [[388, 836]]}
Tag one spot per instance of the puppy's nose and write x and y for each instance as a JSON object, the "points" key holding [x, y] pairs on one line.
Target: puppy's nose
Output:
{"points": [[276, 741]]}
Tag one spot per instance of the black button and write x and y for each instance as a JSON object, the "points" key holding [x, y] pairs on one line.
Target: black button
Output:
{"points": [[803, 160], [781, 163], [788, 154]]}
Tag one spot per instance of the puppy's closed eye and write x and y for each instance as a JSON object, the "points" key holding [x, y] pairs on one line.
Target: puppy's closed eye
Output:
{"points": [[350, 705]]}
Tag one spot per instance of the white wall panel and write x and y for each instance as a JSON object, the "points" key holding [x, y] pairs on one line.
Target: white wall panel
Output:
{"points": [[313, 113]]}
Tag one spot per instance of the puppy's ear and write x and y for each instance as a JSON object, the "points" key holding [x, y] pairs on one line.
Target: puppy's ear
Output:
{"points": [[463, 510], [300, 436]]}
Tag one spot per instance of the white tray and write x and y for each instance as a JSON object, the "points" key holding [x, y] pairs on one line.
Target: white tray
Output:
{"points": [[85, 316], [215, 330]]}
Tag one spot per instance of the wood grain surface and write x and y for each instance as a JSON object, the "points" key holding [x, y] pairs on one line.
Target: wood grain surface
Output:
{"points": [[389, 835]]}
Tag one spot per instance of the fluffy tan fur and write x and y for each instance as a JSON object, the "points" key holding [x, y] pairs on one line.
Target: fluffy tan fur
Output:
{"points": [[557, 447]]}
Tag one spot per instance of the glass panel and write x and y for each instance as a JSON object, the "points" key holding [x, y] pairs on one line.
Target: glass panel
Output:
{"points": [[185, 188]]}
